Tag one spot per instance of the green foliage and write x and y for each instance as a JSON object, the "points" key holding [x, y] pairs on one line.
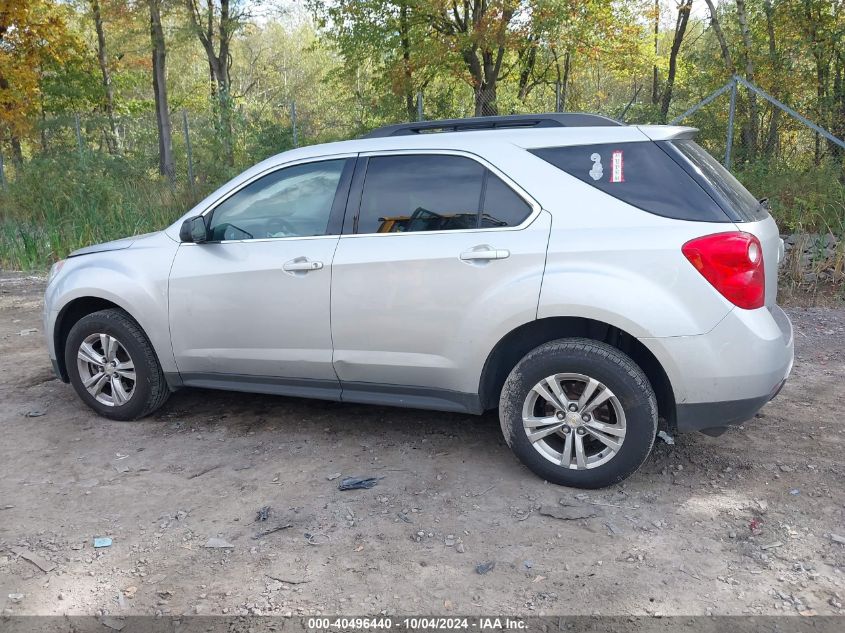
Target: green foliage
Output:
{"points": [[353, 65], [61, 203], [803, 199]]}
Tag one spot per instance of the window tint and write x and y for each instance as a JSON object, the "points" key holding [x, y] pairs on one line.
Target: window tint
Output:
{"points": [[420, 193], [736, 197], [641, 174], [502, 207], [292, 202]]}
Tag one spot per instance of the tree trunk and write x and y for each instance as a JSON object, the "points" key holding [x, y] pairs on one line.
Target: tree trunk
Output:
{"points": [[112, 137], [655, 88], [680, 30], [218, 63], [772, 139], [17, 150], [405, 43], [837, 127], [751, 129], [463, 24], [526, 70], [159, 52], [564, 84], [720, 36], [485, 75]]}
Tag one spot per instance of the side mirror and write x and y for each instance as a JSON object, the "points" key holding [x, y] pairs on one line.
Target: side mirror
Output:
{"points": [[194, 230]]}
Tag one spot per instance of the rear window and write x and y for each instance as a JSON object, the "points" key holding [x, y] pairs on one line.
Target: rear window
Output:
{"points": [[641, 174], [727, 189]]}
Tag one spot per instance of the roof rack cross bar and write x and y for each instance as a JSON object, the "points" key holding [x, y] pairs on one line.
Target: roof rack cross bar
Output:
{"points": [[550, 119]]}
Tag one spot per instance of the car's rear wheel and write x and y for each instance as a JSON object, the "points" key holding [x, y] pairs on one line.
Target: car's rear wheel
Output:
{"points": [[579, 412], [113, 367]]}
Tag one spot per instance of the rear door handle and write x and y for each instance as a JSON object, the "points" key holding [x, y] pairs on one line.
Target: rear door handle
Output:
{"points": [[484, 253], [301, 264]]}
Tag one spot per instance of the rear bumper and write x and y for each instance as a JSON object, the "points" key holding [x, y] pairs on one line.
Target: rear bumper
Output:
{"points": [[713, 418], [724, 377]]}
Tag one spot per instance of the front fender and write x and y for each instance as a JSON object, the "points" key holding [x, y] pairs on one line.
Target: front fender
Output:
{"points": [[135, 279]]}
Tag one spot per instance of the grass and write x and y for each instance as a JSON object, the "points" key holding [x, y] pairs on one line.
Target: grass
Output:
{"points": [[60, 203], [57, 205], [805, 200]]}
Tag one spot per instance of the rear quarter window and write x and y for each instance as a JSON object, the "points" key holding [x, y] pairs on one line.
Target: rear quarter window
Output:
{"points": [[641, 174], [737, 201]]}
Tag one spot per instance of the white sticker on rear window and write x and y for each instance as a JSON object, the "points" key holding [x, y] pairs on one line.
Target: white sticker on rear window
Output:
{"points": [[617, 166], [597, 171]]}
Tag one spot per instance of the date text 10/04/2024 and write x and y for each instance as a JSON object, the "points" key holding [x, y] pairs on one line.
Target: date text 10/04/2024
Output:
{"points": [[417, 623]]}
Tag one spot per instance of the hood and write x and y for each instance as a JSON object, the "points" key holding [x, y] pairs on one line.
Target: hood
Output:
{"points": [[115, 245]]}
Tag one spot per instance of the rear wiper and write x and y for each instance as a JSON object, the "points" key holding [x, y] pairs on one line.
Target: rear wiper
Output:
{"points": [[764, 202]]}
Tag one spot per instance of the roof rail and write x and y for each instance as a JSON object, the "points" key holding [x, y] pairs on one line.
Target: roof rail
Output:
{"points": [[549, 119]]}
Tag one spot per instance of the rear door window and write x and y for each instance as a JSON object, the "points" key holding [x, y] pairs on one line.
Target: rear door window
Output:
{"points": [[435, 192], [425, 192], [641, 174]]}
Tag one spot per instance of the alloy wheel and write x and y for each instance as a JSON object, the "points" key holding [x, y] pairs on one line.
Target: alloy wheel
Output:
{"points": [[106, 369], [574, 421]]}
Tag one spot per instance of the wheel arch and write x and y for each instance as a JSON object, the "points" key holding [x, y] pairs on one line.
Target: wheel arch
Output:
{"points": [[69, 315], [519, 341]]}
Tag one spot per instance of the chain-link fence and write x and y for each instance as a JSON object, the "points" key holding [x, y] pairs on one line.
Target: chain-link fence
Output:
{"points": [[88, 178], [206, 151]]}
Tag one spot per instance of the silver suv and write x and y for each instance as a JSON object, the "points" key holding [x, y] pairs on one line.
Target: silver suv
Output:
{"points": [[583, 277]]}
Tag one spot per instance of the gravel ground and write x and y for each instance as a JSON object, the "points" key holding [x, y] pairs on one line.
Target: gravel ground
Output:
{"points": [[748, 523]]}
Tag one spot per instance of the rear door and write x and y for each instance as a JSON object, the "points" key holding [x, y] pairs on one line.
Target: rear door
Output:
{"points": [[444, 254]]}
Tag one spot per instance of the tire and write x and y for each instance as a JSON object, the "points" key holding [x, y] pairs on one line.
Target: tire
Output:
{"points": [[629, 413], [117, 396]]}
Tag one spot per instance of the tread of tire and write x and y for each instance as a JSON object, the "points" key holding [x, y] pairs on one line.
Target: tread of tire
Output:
{"points": [[587, 347], [159, 391]]}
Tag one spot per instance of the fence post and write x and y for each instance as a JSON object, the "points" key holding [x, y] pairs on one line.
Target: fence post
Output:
{"points": [[293, 123], [2, 173], [188, 150], [419, 106], [557, 96], [731, 116], [78, 135]]}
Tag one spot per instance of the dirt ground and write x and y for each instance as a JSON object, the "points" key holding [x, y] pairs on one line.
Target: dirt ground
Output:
{"points": [[739, 524]]}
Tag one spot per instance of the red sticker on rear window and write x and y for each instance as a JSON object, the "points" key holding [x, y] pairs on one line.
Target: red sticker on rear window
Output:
{"points": [[617, 166]]}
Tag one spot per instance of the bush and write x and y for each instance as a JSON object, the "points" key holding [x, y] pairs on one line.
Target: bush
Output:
{"points": [[810, 200], [60, 203]]}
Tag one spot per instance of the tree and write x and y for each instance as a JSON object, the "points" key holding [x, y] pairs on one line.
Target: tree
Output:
{"points": [[684, 8], [772, 141], [480, 31], [162, 111], [750, 132], [33, 34], [389, 34], [720, 36], [655, 86], [215, 24], [112, 136]]}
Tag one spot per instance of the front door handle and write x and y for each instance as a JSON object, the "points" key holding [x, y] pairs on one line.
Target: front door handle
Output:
{"points": [[301, 265], [484, 253]]}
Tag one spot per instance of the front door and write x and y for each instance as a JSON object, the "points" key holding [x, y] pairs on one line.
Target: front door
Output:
{"points": [[251, 306], [445, 258]]}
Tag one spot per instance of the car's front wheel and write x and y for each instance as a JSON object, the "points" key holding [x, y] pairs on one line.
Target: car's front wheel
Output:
{"points": [[113, 367], [579, 413]]}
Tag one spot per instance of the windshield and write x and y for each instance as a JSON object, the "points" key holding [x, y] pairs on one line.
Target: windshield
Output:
{"points": [[722, 182]]}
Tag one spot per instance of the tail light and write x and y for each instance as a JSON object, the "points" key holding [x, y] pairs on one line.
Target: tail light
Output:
{"points": [[733, 263]]}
